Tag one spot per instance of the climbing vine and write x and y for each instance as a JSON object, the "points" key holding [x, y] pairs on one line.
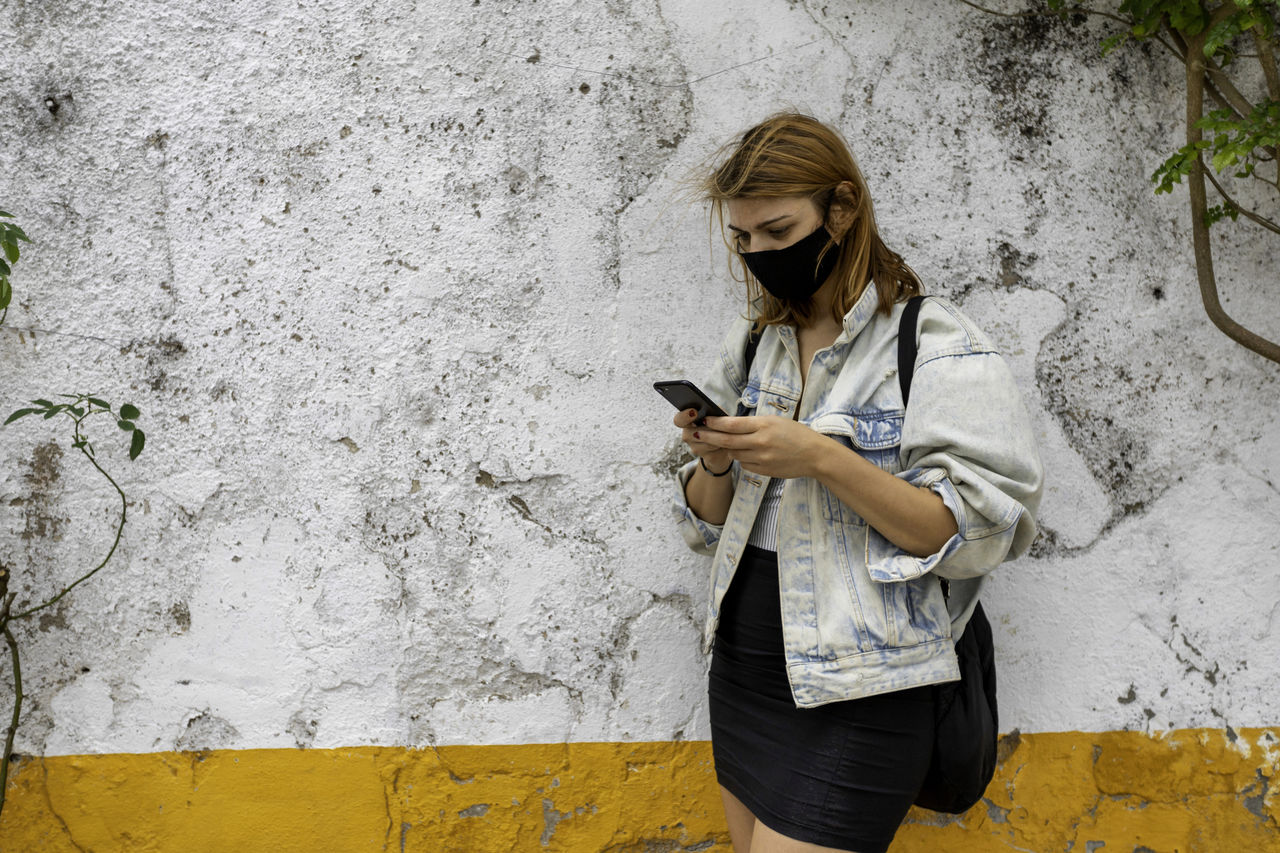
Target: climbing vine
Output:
{"points": [[78, 408]]}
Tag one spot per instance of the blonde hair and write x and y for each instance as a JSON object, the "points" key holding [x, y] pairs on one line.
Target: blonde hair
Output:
{"points": [[787, 155]]}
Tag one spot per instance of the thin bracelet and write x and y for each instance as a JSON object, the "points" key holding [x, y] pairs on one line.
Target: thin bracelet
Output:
{"points": [[703, 463]]}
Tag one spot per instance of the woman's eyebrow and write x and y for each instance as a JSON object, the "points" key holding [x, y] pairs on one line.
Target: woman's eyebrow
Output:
{"points": [[764, 224]]}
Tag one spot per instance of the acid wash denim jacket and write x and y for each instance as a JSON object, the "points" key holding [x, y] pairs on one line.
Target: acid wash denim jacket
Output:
{"points": [[860, 616]]}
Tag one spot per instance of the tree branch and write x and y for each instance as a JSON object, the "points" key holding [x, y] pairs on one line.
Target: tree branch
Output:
{"points": [[1040, 12], [1248, 214], [1199, 204], [1081, 10], [1240, 105], [1268, 61]]}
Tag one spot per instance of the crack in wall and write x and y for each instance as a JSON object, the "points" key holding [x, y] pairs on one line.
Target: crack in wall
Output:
{"points": [[62, 823]]}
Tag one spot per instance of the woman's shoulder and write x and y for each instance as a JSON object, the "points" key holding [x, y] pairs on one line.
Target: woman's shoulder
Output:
{"points": [[733, 349], [945, 330]]}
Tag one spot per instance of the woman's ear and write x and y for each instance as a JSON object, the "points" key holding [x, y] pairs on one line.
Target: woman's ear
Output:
{"points": [[843, 210]]}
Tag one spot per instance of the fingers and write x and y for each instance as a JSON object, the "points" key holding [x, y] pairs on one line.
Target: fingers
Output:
{"points": [[714, 438], [685, 417], [700, 440], [740, 426]]}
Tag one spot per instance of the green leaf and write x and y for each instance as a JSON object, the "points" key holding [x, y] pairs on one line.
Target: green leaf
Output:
{"points": [[1221, 36], [1188, 16], [135, 447], [1219, 212], [103, 403], [77, 411], [2, 213], [44, 404], [22, 235], [6, 292], [1177, 166], [54, 411], [127, 426], [21, 413], [1111, 43], [1241, 142], [4, 268], [10, 248], [129, 411]]}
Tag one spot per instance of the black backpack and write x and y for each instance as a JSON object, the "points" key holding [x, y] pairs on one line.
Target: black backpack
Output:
{"points": [[966, 722]]}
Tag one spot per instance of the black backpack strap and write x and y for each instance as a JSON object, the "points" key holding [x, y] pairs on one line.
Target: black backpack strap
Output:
{"points": [[907, 332], [753, 343]]}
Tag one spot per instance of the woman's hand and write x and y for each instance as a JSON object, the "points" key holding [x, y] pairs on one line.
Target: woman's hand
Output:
{"points": [[770, 445], [717, 459], [913, 518]]}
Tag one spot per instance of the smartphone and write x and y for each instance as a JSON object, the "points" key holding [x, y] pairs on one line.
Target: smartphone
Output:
{"points": [[683, 394]]}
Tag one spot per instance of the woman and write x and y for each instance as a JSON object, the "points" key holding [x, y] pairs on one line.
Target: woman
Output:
{"points": [[831, 511]]}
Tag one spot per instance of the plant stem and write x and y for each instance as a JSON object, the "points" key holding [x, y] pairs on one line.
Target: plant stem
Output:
{"points": [[1080, 10], [124, 511], [1249, 214], [1199, 204], [17, 698]]}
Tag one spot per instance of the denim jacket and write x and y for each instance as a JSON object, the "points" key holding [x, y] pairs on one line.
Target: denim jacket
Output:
{"points": [[859, 615]]}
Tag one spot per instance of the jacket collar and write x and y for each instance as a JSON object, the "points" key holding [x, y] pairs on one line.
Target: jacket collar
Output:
{"points": [[861, 312]]}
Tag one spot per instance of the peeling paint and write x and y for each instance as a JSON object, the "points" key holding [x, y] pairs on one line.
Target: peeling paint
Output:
{"points": [[1188, 790]]}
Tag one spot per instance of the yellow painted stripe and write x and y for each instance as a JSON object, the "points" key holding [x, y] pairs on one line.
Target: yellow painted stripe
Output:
{"points": [[1189, 790]]}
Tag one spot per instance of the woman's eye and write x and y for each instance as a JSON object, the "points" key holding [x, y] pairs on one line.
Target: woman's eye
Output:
{"points": [[778, 232]]}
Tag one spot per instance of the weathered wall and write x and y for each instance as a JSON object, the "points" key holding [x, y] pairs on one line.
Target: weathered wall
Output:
{"points": [[390, 281]]}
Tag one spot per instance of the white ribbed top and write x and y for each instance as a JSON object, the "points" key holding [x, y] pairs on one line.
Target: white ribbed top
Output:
{"points": [[764, 533]]}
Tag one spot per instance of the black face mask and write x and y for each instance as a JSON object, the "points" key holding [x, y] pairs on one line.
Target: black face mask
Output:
{"points": [[794, 274]]}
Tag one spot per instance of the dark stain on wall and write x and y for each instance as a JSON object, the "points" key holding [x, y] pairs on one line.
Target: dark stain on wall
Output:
{"points": [[1005, 63], [180, 613], [44, 471], [1078, 378]]}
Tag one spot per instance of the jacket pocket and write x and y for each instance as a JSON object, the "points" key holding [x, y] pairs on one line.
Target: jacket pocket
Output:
{"points": [[921, 610]]}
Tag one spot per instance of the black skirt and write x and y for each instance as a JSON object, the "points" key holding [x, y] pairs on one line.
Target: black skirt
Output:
{"points": [[840, 775]]}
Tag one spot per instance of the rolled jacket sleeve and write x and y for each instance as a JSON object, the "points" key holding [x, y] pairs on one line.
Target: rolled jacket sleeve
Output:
{"points": [[967, 437], [700, 535]]}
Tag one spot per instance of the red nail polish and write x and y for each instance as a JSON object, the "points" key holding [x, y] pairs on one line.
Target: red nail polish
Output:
{"points": [[695, 435]]}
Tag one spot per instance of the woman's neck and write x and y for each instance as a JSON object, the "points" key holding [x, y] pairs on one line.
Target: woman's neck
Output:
{"points": [[823, 313]]}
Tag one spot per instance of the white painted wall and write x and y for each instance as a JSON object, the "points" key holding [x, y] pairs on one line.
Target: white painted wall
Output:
{"points": [[390, 282]]}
